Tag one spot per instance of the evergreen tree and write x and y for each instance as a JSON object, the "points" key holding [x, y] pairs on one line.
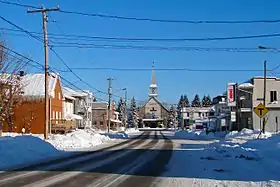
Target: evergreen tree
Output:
{"points": [[196, 101], [133, 117], [179, 107], [208, 101], [121, 110], [204, 101], [172, 117], [186, 101]]}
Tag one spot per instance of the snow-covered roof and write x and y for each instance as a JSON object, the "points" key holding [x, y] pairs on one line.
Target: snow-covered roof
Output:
{"points": [[99, 105], [261, 77], [34, 84], [72, 93], [246, 85]]}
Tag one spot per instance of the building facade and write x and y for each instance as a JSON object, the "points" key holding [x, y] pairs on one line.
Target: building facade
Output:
{"points": [[219, 118], [153, 112], [272, 102], [30, 114], [82, 106], [249, 95], [100, 116]]}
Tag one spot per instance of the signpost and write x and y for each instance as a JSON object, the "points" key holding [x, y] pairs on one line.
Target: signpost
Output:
{"points": [[261, 111]]}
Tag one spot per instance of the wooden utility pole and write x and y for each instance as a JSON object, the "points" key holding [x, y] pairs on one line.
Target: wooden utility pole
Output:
{"points": [[109, 104], [44, 15], [264, 93]]}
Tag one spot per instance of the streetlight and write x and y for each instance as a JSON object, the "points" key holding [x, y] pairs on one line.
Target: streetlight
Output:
{"points": [[268, 48]]}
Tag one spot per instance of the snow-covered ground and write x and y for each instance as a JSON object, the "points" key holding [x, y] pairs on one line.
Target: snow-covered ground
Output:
{"points": [[197, 135], [237, 160], [17, 149]]}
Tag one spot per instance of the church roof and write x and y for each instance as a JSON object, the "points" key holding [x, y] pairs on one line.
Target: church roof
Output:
{"points": [[161, 104]]}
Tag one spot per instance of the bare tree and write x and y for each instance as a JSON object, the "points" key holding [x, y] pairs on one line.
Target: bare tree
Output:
{"points": [[10, 86]]}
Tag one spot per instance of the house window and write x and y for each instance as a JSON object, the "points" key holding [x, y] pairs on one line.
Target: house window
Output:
{"points": [[59, 95], [273, 96], [59, 115], [53, 115], [56, 115], [101, 123]]}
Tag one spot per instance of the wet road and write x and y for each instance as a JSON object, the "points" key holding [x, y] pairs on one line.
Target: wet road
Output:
{"points": [[136, 162]]}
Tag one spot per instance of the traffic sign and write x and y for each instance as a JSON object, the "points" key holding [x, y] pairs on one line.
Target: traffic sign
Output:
{"points": [[261, 110]]}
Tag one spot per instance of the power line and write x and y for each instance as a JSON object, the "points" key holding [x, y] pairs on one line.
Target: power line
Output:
{"points": [[61, 59], [19, 4], [160, 48], [166, 69], [71, 37], [40, 67], [167, 20], [56, 54], [106, 16]]}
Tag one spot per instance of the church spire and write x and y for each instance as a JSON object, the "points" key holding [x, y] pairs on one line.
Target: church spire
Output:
{"points": [[153, 80], [153, 85]]}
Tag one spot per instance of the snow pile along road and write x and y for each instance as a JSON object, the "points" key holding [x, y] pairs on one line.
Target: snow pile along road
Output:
{"points": [[24, 149], [197, 134], [132, 131], [17, 149], [77, 140], [246, 134]]}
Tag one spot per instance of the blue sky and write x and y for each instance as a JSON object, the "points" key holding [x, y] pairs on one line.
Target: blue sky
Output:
{"points": [[171, 84]]}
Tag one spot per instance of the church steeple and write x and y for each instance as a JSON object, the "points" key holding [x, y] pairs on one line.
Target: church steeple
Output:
{"points": [[153, 85]]}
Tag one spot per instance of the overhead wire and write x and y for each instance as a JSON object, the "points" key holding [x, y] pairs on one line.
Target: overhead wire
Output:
{"points": [[40, 67], [117, 17], [131, 39], [56, 54]]}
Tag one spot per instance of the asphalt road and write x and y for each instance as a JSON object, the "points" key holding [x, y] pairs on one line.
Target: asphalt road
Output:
{"points": [[136, 162]]}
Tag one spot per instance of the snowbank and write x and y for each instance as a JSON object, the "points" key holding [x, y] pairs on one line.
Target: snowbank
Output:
{"points": [[197, 134], [131, 131], [246, 134], [17, 149], [24, 149], [77, 140]]}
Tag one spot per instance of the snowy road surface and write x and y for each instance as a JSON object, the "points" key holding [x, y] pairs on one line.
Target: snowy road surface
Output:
{"points": [[154, 158]]}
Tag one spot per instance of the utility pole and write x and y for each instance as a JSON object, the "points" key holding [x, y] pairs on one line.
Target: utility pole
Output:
{"points": [[109, 104], [44, 15], [264, 93]]}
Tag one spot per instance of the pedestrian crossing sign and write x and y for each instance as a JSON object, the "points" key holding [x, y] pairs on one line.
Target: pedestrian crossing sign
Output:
{"points": [[261, 110]]}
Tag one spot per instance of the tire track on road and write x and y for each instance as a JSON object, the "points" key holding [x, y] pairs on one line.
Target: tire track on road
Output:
{"points": [[34, 176], [145, 176], [101, 175]]}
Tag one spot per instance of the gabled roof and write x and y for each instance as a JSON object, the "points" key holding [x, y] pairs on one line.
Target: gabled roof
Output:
{"points": [[99, 105], [157, 102], [72, 93], [34, 84]]}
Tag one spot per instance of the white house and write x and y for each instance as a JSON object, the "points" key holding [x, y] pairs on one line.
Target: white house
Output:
{"points": [[80, 102]]}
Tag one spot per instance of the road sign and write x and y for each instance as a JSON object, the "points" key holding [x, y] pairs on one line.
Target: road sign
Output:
{"points": [[261, 110]]}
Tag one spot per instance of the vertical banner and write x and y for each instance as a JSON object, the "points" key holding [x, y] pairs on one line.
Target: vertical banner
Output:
{"points": [[231, 94]]}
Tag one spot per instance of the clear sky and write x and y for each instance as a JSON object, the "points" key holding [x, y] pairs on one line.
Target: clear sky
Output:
{"points": [[171, 84]]}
